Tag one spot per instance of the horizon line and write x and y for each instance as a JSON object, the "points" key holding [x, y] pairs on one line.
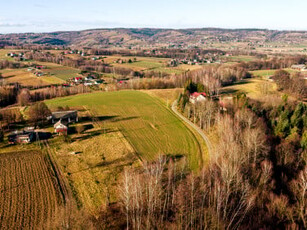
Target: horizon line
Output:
{"points": [[158, 28]]}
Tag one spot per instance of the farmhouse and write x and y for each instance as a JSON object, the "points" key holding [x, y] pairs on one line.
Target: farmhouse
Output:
{"points": [[78, 79], [197, 97], [89, 78], [61, 127], [300, 67], [22, 137], [64, 116], [38, 73]]}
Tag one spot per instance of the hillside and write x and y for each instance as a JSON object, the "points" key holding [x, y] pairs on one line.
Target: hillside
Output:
{"points": [[147, 37]]}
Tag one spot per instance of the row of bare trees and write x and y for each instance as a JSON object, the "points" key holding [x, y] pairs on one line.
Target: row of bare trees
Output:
{"points": [[165, 194], [235, 190]]}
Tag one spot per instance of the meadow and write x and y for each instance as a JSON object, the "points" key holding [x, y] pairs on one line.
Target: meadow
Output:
{"points": [[254, 88], [150, 127], [62, 73], [124, 128], [242, 58], [25, 78], [270, 72], [147, 64]]}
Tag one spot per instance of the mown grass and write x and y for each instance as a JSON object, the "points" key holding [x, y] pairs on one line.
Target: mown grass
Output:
{"points": [[25, 78], [269, 72], [254, 88], [151, 128], [241, 58], [59, 71], [93, 172]]}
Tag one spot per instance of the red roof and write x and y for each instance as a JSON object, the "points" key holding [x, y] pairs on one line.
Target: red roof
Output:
{"points": [[78, 78], [196, 94]]}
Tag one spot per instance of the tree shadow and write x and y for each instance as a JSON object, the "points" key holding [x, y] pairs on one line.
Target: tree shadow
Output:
{"points": [[125, 161], [91, 134], [229, 91], [99, 118], [124, 119], [10, 76], [43, 135], [243, 82]]}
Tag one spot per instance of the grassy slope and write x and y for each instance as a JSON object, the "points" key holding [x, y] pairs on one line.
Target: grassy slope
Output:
{"points": [[26, 78], [62, 73], [148, 125], [252, 87], [270, 72]]}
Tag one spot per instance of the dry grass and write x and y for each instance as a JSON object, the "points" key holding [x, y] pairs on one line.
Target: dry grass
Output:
{"points": [[94, 170], [167, 96], [26, 78], [254, 88]]}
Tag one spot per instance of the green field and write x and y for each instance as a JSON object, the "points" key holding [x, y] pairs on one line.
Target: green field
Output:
{"points": [[242, 58], [59, 71], [150, 127], [269, 72]]}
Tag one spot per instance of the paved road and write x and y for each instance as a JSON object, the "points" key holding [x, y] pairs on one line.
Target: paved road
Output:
{"points": [[199, 130]]}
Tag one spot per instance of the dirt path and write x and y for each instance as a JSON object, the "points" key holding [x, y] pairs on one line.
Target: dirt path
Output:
{"points": [[199, 130]]}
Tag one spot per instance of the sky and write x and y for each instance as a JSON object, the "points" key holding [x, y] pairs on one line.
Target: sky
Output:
{"points": [[62, 15]]}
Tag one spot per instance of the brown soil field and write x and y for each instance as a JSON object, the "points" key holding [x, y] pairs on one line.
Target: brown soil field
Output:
{"points": [[29, 193]]}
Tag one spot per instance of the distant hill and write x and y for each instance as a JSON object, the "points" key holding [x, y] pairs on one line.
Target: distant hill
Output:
{"points": [[147, 37]]}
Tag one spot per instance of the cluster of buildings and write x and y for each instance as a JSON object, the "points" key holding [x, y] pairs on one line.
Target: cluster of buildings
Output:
{"points": [[36, 70], [17, 56], [300, 67], [80, 52], [196, 61], [87, 81], [60, 120], [22, 137]]}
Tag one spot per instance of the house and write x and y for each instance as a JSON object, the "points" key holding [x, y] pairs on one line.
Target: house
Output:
{"points": [[88, 83], [61, 127], [38, 74], [300, 67], [198, 97], [89, 78], [97, 82], [78, 79], [23, 137], [40, 67], [65, 116]]}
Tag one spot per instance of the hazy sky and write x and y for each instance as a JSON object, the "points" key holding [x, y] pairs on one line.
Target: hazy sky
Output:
{"points": [[56, 15]]}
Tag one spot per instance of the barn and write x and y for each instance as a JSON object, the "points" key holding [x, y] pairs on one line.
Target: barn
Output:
{"points": [[64, 116]]}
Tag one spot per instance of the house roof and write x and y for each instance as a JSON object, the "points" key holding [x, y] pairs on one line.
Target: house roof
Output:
{"points": [[64, 114], [196, 94], [60, 123]]}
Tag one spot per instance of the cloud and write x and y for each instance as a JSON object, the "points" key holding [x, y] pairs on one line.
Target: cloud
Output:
{"points": [[12, 25]]}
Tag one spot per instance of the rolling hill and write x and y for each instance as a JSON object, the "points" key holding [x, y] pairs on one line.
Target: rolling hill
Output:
{"points": [[148, 37]]}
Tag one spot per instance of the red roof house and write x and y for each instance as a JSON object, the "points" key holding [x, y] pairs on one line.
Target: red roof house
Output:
{"points": [[198, 97]]}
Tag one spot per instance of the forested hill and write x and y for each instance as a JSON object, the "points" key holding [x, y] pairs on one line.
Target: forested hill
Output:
{"points": [[147, 37]]}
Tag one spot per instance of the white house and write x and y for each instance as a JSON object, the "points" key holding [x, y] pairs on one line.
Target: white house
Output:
{"points": [[198, 97]]}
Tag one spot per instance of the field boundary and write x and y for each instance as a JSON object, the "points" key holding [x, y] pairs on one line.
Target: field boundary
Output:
{"points": [[196, 128]]}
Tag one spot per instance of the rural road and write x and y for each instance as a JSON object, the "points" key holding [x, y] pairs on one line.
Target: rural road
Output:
{"points": [[199, 130]]}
